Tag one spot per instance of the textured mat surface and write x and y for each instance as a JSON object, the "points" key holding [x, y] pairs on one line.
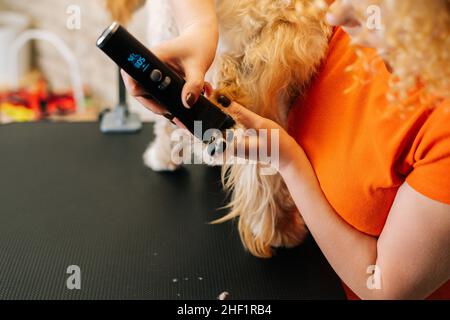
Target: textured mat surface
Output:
{"points": [[72, 196]]}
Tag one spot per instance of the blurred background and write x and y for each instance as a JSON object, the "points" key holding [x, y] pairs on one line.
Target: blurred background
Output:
{"points": [[46, 80]]}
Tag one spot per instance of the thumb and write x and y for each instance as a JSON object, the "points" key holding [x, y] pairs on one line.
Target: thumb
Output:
{"points": [[166, 51], [194, 85], [170, 52]]}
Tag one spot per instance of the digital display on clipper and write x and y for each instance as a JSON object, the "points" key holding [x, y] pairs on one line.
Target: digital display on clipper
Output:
{"points": [[139, 62], [163, 84]]}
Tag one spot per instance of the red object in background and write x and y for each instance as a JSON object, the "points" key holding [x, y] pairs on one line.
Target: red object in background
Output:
{"points": [[41, 100]]}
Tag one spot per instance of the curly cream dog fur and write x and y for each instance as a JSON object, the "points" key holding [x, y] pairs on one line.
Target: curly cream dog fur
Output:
{"points": [[270, 50], [275, 49]]}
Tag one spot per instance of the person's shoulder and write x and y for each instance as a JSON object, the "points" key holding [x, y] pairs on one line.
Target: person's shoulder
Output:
{"points": [[339, 44], [343, 57], [444, 108], [431, 154], [440, 115], [338, 35], [438, 126]]}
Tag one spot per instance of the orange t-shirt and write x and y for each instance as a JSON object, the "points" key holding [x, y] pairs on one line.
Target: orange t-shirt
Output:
{"points": [[363, 149]]}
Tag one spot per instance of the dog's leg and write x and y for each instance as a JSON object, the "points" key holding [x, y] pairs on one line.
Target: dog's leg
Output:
{"points": [[158, 155], [161, 27], [268, 217]]}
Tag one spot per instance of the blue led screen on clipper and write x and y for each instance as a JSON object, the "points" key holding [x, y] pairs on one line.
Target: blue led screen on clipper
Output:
{"points": [[138, 61]]}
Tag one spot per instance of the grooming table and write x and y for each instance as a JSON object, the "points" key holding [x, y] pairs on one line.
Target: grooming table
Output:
{"points": [[70, 195]]}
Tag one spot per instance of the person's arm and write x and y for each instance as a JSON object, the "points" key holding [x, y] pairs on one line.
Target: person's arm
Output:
{"points": [[412, 254], [191, 53], [413, 251], [195, 12], [199, 32]]}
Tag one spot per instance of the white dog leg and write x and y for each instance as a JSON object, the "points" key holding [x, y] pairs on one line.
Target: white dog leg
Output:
{"points": [[158, 155]]}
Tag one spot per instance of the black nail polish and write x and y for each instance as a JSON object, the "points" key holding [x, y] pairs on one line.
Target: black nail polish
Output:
{"points": [[190, 99], [224, 101]]}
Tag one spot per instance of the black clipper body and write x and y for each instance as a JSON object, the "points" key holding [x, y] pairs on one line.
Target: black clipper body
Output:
{"points": [[162, 83]]}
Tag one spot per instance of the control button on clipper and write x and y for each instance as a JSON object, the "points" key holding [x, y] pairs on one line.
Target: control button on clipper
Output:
{"points": [[163, 86], [156, 75]]}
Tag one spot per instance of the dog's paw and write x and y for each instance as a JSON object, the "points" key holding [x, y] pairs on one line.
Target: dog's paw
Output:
{"points": [[159, 160]]}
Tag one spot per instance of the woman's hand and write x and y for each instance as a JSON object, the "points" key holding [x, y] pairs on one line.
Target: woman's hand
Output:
{"points": [[267, 137], [190, 54]]}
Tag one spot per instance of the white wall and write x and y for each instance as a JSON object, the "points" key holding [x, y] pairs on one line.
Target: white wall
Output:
{"points": [[98, 72]]}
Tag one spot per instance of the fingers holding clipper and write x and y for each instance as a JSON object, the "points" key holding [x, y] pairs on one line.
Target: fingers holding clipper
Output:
{"points": [[132, 86], [259, 139], [141, 95], [193, 87], [151, 105]]}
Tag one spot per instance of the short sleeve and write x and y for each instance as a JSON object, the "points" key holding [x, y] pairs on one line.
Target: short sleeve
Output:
{"points": [[431, 165]]}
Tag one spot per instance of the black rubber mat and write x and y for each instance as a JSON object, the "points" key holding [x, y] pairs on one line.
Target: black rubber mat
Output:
{"points": [[72, 196]]}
